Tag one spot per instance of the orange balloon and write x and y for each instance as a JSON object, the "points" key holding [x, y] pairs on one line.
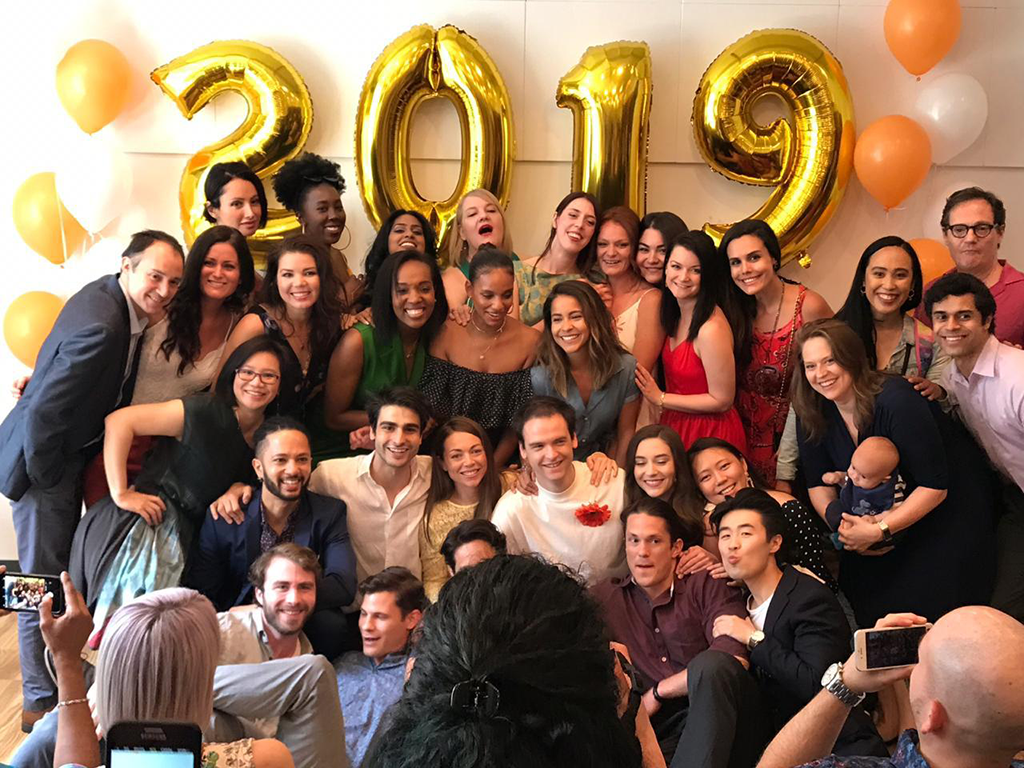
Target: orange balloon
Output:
{"points": [[934, 257], [93, 82], [892, 158], [920, 32], [28, 321], [39, 215]]}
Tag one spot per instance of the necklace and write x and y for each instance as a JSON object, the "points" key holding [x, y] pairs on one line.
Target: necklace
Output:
{"points": [[494, 338]]}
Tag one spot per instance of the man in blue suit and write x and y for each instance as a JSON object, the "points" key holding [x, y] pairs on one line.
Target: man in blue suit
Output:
{"points": [[85, 369], [280, 510]]}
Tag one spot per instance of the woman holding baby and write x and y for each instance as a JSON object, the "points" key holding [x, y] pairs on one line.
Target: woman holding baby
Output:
{"points": [[930, 552]]}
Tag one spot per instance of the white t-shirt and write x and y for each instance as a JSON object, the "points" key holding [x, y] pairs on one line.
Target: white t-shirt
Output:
{"points": [[759, 614], [547, 524]]}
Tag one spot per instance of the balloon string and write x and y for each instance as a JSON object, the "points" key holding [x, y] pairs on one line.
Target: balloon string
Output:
{"points": [[60, 221]]}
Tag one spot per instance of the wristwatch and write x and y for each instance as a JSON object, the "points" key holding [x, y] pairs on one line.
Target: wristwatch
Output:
{"points": [[886, 533], [832, 681], [755, 639]]}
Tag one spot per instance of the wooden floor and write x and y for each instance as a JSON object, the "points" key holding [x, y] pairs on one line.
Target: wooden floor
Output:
{"points": [[10, 688]]}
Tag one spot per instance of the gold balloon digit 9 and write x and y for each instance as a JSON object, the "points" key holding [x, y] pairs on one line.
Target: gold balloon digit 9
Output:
{"points": [[274, 131], [809, 162], [424, 64], [609, 95]]}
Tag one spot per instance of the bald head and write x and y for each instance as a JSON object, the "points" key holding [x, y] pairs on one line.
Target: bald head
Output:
{"points": [[972, 667]]}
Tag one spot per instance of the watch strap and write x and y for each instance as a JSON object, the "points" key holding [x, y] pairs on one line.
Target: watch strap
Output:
{"points": [[837, 687], [657, 696]]}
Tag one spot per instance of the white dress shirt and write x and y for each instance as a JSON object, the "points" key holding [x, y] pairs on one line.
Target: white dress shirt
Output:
{"points": [[547, 524], [383, 534], [992, 405]]}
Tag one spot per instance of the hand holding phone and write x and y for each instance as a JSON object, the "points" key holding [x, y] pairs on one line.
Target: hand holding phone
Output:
{"points": [[65, 635], [24, 592], [888, 647]]}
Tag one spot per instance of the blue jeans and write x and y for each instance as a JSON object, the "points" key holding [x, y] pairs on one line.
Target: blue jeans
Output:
{"points": [[44, 522]]}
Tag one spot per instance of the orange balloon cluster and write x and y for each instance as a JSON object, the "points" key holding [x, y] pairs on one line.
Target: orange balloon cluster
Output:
{"points": [[892, 158], [93, 81], [920, 32], [27, 323]]}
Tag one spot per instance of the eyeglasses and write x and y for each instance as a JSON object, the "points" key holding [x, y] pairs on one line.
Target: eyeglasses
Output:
{"points": [[248, 374], [959, 231]]}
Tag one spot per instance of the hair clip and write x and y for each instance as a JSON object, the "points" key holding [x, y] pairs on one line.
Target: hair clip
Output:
{"points": [[479, 696]]}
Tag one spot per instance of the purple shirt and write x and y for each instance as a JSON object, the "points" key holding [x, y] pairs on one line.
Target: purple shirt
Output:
{"points": [[1009, 295], [663, 635], [907, 755]]}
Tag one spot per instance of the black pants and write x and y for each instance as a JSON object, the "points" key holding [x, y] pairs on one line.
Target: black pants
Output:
{"points": [[720, 724], [1008, 595]]}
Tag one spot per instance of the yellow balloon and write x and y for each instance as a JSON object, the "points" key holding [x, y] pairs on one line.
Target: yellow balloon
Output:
{"points": [[274, 131], [609, 95], [93, 83], [807, 159], [43, 222], [27, 323], [422, 64]]}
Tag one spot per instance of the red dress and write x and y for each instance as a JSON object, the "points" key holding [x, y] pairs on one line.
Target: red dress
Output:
{"points": [[762, 393], [684, 375]]}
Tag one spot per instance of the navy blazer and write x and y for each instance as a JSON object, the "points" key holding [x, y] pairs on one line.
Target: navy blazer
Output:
{"points": [[76, 383], [806, 632], [225, 552]]}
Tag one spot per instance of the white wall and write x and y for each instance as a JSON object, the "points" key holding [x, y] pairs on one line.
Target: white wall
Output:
{"points": [[533, 43]]}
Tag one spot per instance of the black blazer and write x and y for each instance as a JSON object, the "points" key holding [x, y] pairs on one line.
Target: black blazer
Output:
{"points": [[226, 551], [76, 383], [806, 631]]}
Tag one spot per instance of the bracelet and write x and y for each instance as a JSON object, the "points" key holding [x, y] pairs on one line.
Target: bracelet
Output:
{"points": [[657, 696], [69, 702], [662, 403]]}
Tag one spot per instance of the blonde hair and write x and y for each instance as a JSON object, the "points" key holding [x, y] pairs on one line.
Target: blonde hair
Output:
{"points": [[158, 658], [458, 248]]}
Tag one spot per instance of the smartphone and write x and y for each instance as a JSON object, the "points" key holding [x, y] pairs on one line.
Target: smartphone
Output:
{"points": [[25, 591], [888, 647], [154, 745]]}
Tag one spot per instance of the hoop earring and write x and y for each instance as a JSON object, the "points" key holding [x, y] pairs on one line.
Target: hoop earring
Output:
{"points": [[750, 481], [863, 290], [349, 238]]}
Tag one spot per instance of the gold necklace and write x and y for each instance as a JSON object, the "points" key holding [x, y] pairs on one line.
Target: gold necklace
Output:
{"points": [[493, 338]]}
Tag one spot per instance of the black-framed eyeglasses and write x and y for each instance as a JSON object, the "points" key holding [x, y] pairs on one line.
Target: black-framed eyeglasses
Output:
{"points": [[248, 374], [981, 231]]}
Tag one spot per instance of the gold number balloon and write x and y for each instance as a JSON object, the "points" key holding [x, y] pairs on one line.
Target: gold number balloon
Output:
{"points": [[809, 161], [609, 95], [274, 131], [422, 64]]}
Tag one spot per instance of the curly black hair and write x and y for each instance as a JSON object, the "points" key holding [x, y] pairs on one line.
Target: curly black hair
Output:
{"points": [[298, 176]]}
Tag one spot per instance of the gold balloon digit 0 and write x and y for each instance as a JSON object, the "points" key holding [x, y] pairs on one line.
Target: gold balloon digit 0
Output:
{"points": [[809, 162], [609, 95], [422, 64], [274, 131]]}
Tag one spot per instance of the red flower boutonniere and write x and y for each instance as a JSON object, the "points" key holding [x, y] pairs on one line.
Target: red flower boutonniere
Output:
{"points": [[593, 515]]}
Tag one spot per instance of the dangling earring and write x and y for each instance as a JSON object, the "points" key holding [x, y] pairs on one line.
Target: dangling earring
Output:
{"points": [[750, 481], [911, 296], [863, 290]]}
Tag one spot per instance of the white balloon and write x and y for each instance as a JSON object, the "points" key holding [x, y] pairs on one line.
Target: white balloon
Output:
{"points": [[952, 109], [103, 258], [94, 181]]}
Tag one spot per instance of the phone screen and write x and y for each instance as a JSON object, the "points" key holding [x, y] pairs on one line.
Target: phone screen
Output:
{"points": [[892, 648], [144, 757], [24, 592]]}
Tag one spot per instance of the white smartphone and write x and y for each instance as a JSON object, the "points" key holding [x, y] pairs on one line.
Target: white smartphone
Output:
{"points": [[888, 647]]}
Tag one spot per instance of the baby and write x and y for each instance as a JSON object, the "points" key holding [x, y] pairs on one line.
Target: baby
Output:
{"points": [[868, 487]]}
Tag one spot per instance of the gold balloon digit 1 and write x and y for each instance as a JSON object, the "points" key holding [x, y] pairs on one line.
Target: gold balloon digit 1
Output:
{"points": [[609, 95], [421, 64], [809, 162], [274, 131]]}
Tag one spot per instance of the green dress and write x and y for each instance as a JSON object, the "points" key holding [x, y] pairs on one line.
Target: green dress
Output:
{"points": [[383, 366], [534, 287]]}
